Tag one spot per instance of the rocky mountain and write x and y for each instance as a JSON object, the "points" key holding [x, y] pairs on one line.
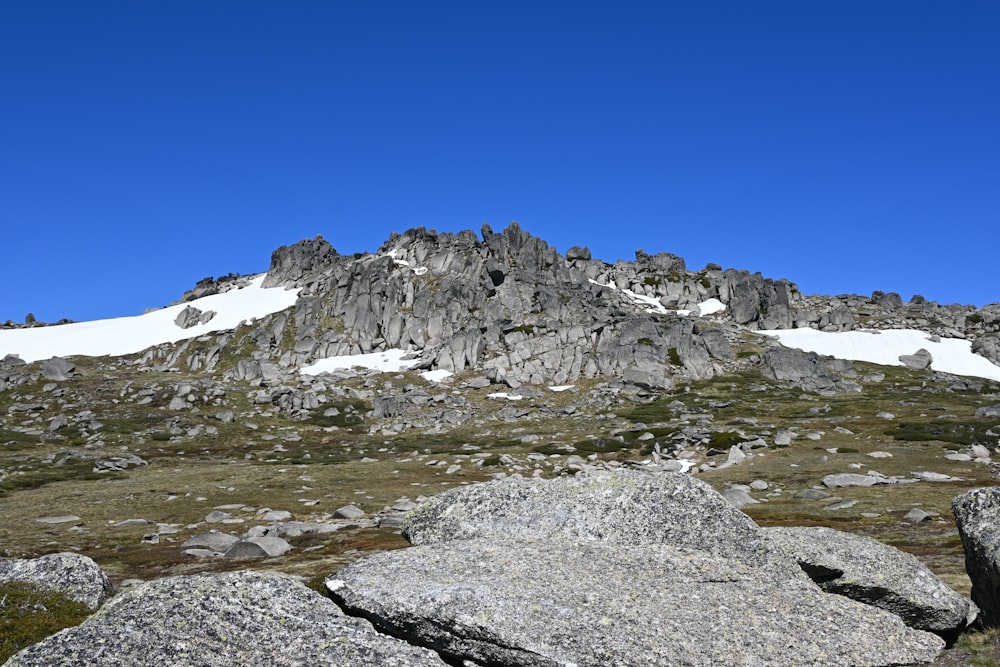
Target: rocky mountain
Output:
{"points": [[587, 418]]}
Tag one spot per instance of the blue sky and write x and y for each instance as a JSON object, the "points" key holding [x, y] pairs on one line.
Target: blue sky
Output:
{"points": [[847, 146]]}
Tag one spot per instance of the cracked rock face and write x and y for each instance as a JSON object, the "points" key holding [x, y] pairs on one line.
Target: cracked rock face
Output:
{"points": [[238, 618], [868, 571], [548, 602], [618, 507], [977, 514]]}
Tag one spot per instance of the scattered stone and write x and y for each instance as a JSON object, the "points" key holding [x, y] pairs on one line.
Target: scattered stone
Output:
{"points": [[879, 455], [812, 494], [215, 542], [217, 516], [848, 479], [917, 515], [63, 518], [349, 512], [842, 505], [927, 476], [273, 515], [258, 547]]}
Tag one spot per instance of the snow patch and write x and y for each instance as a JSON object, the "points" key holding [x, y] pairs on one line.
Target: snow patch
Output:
{"points": [[503, 395], [562, 387], [128, 335], [436, 375], [389, 361], [710, 307], [951, 355]]}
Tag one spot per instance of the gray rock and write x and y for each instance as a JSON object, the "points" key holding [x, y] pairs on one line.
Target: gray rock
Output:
{"points": [[237, 618], [918, 361], [977, 514], [550, 602], [917, 515], [812, 494], [739, 496], [807, 370], [58, 423], [273, 515], [217, 516], [216, 542], [980, 452], [188, 317], [349, 512], [620, 507], [57, 369], [73, 575], [868, 571], [849, 479], [988, 411], [265, 546], [62, 518]]}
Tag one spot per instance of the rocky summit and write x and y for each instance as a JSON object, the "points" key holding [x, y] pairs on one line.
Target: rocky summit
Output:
{"points": [[473, 449]]}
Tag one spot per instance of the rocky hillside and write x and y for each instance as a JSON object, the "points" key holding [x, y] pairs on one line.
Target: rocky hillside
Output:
{"points": [[296, 435]]}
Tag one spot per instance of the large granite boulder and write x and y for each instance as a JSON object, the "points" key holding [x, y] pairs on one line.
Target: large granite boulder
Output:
{"points": [[619, 507], [977, 513], [535, 602], [73, 575], [237, 618], [868, 571], [57, 369]]}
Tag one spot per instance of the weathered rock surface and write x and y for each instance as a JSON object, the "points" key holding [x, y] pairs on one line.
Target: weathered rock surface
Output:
{"points": [[808, 370], [977, 513], [238, 618], [548, 602], [918, 361], [619, 507], [868, 571], [57, 369], [73, 575]]}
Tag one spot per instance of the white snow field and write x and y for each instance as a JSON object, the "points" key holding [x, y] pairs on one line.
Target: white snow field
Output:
{"points": [[390, 361], [951, 355], [127, 335]]}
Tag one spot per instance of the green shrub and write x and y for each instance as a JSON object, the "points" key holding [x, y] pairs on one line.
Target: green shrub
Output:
{"points": [[29, 614]]}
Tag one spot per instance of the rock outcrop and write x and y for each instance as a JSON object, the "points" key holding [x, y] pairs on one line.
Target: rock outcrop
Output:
{"points": [[238, 618], [548, 602], [977, 513], [619, 507], [611, 568], [868, 571]]}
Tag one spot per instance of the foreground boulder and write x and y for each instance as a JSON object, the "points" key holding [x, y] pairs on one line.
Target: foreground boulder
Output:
{"points": [[237, 618], [77, 577], [547, 602], [618, 507], [868, 571], [977, 514]]}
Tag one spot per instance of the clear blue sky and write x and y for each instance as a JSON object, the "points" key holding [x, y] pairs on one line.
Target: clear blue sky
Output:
{"points": [[846, 145]]}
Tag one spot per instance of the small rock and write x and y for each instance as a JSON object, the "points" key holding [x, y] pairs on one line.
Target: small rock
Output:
{"points": [[349, 512], [917, 515]]}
